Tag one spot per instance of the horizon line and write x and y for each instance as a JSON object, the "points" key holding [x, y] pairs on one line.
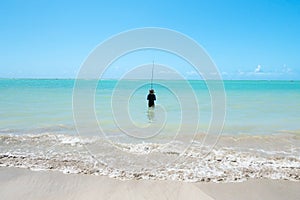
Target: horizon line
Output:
{"points": [[51, 78]]}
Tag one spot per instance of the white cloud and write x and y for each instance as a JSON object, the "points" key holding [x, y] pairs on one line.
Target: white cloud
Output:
{"points": [[240, 72], [167, 72], [286, 69], [191, 73], [258, 69]]}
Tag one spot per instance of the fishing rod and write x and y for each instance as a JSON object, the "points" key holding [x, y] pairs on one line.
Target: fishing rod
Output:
{"points": [[152, 75]]}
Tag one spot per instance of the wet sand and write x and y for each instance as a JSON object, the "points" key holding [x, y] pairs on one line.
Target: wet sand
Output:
{"points": [[16, 183]]}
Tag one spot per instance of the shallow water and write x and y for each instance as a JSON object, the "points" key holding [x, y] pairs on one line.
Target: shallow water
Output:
{"points": [[252, 107], [260, 137]]}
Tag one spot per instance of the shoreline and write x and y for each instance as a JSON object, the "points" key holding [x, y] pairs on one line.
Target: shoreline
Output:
{"points": [[231, 160], [17, 183]]}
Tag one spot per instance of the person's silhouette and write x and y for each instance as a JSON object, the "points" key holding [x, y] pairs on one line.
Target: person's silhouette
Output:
{"points": [[151, 98]]}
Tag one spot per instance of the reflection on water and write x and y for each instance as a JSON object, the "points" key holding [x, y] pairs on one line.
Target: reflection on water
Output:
{"points": [[151, 114]]}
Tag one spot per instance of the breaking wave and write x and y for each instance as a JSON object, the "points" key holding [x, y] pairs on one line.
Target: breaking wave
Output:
{"points": [[227, 162]]}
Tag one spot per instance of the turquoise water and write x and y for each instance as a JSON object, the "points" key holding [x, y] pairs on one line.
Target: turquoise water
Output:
{"points": [[260, 137], [252, 107]]}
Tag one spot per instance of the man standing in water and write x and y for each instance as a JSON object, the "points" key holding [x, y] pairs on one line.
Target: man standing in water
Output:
{"points": [[151, 98]]}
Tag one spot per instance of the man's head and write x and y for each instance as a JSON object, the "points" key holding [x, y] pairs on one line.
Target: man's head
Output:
{"points": [[151, 91]]}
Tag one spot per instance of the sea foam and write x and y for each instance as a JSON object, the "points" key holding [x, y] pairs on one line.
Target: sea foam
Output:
{"points": [[158, 161]]}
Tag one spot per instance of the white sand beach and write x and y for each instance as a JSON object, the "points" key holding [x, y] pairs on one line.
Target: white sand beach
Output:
{"points": [[150, 100], [16, 183]]}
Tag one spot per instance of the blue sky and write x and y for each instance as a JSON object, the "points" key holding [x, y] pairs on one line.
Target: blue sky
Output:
{"points": [[256, 39]]}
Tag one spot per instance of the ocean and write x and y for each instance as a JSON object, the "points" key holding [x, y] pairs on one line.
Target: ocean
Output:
{"points": [[260, 136]]}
